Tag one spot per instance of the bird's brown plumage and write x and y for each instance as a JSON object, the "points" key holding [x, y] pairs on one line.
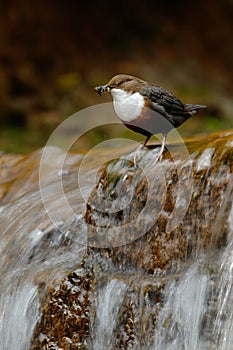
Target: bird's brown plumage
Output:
{"points": [[162, 110]]}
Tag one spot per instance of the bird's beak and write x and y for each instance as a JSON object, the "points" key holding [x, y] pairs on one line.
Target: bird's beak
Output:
{"points": [[102, 88]]}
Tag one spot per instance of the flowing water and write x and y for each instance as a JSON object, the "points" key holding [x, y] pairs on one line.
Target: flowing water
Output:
{"points": [[109, 303], [32, 250], [37, 249], [223, 324], [180, 320]]}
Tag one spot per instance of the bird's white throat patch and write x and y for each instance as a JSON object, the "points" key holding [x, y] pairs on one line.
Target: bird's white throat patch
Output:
{"points": [[128, 106]]}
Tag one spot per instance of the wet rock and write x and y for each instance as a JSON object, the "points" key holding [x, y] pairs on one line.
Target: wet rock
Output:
{"points": [[182, 198], [65, 318], [148, 222]]}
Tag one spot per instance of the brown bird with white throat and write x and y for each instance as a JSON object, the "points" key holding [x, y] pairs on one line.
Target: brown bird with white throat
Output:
{"points": [[147, 108]]}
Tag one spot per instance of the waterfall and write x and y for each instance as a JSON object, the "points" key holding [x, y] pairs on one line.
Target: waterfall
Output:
{"points": [[108, 304]]}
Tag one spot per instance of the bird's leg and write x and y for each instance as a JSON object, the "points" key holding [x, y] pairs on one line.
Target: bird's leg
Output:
{"points": [[139, 148], [146, 140], [136, 153], [162, 147]]}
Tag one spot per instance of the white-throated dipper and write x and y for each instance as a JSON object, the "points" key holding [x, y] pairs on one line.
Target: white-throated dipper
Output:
{"points": [[147, 108]]}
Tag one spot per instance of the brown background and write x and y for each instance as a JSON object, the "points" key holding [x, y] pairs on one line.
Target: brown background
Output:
{"points": [[52, 54]]}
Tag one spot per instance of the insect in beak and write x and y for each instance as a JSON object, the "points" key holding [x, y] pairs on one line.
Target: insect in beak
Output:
{"points": [[102, 88]]}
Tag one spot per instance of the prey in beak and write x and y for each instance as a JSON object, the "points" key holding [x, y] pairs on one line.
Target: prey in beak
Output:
{"points": [[102, 88]]}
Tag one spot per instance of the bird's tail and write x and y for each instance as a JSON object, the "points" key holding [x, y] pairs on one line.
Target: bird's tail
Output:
{"points": [[194, 108]]}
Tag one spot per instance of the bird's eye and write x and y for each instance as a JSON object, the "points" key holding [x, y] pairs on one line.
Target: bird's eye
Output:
{"points": [[118, 83]]}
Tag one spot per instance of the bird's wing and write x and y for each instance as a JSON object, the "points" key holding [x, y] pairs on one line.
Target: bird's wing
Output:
{"points": [[163, 101]]}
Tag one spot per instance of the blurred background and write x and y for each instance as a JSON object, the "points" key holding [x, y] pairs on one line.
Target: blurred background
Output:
{"points": [[53, 54]]}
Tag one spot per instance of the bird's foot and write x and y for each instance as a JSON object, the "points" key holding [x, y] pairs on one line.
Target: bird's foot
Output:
{"points": [[160, 155], [137, 154]]}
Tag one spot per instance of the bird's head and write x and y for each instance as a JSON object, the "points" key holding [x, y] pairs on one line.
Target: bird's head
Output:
{"points": [[121, 81]]}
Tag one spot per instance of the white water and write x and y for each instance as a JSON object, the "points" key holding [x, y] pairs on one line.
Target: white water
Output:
{"points": [[19, 314], [197, 313], [109, 301], [223, 325], [32, 254], [180, 319]]}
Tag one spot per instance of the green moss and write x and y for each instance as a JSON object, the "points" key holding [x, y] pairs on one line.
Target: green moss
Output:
{"points": [[19, 140]]}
